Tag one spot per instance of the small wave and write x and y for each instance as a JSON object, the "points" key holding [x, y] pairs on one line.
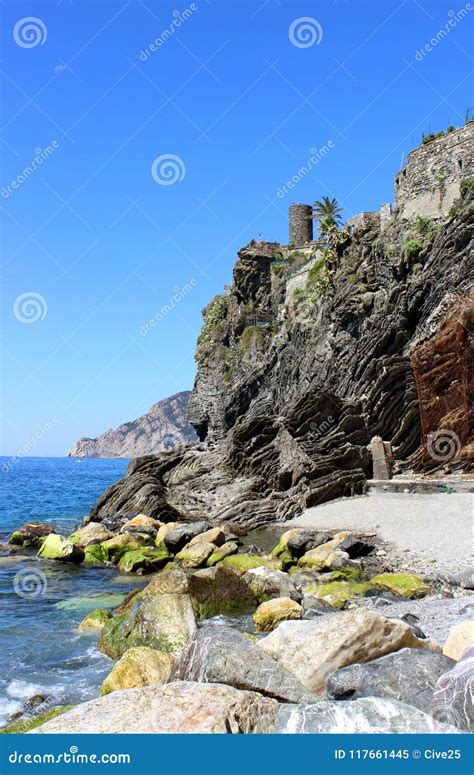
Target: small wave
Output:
{"points": [[7, 708], [22, 690]]}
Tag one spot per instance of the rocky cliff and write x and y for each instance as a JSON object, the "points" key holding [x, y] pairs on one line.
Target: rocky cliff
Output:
{"points": [[309, 355], [164, 426]]}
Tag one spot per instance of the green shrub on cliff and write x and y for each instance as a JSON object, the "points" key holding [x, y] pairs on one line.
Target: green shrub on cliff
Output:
{"points": [[412, 249], [214, 315]]}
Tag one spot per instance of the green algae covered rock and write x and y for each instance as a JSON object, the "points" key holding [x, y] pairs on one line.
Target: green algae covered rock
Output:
{"points": [[195, 556], [95, 620], [220, 590], [404, 584], [139, 666], [91, 602], [93, 533], [162, 622], [20, 727], [32, 534], [144, 558], [94, 555], [226, 550], [114, 548], [244, 562], [337, 593], [56, 547], [269, 614]]}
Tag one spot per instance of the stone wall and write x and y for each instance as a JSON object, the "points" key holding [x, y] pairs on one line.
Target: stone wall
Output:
{"points": [[429, 183], [301, 224], [363, 221]]}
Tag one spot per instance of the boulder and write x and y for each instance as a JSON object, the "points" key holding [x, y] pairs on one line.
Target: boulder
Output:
{"points": [[171, 580], [408, 675], [168, 527], [195, 556], [56, 547], [356, 548], [269, 615], [220, 590], [313, 650], [244, 562], [266, 583], [460, 637], [181, 707], [94, 555], [303, 542], [221, 553], [404, 584], [31, 534], [337, 593], [140, 666], [163, 622], [177, 539], [324, 555], [144, 559], [214, 536], [143, 525], [93, 533], [220, 654], [114, 548], [371, 715], [452, 699], [95, 620]]}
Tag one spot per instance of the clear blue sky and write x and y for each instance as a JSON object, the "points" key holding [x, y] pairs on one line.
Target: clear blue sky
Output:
{"points": [[105, 245]]}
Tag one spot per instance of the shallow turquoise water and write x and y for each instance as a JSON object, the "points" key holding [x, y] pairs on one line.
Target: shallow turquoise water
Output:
{"points": [[40, 651]]}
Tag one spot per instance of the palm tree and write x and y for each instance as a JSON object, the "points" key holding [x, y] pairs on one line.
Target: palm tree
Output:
{"points": [[328, 213]]}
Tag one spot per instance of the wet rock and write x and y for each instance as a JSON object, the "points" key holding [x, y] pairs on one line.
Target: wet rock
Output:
{"points": [[93, 533], [181, 707], [171, 580], [177, 539], [372, 715], [408, 675], [314, 650], [195, 556], [162, 622], [30, 534], [324, 555], [269, 615], [266, 583], [220, 590], [56, 547], [304, 542], [452, 699], [114, 549], [143, 525], [94, 555], [95, 620], [404, 584], [220, 654], [139, 666], [460, 637]]}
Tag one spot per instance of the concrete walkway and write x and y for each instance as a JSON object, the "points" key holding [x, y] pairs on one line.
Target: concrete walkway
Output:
{"points": [[433, 533]]}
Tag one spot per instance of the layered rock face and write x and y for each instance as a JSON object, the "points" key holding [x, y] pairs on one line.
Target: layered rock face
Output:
{"points": [[164, 426], [290, 391]]}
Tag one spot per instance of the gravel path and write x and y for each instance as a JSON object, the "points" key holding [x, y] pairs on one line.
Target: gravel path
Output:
{"points": [[431, 534]]}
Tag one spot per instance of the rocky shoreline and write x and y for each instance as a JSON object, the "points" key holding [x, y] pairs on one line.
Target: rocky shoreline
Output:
{"points": [[320, 634]]}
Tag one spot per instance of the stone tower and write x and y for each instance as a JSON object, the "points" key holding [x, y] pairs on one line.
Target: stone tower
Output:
{"points": [[301, 224]]}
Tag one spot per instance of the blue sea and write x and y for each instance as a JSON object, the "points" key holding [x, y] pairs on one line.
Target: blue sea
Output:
{"points": [[41, 602]]}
